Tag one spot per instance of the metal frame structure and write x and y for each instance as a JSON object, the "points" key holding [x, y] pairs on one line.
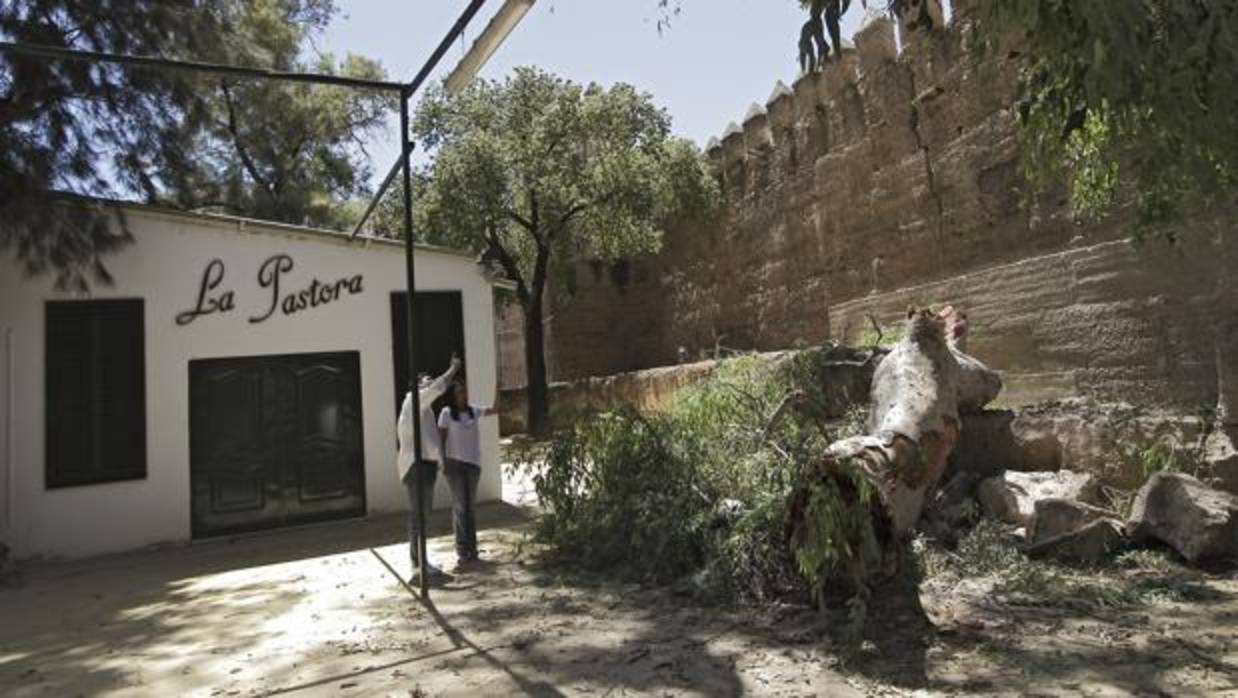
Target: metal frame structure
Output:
{"points": [[511, 13]]}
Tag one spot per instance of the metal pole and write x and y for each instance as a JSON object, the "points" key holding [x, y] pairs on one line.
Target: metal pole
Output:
{"points": [[10, 440], [411, 276], [409, 90]]}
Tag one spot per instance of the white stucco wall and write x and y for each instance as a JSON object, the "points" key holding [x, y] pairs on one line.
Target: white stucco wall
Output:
{"points": [[164, 267]]}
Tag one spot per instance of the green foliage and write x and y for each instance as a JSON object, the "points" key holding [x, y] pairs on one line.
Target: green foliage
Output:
{"points": [[261, 149], [839, 540], [1158, 452], [1128, 96], [536, 173], [1133, 579], [61, 121], [276, 151], [882, 335], [703, 487], [616, 492], [1159, 458], [535, 170]]}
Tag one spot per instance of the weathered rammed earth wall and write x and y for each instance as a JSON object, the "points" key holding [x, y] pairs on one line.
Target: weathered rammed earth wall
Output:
{"points": [[891, 179]]}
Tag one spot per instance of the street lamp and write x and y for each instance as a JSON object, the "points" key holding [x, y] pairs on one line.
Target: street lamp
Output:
{"points": [[500, 26]]}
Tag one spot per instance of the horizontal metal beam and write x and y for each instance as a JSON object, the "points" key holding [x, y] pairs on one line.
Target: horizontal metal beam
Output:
{"points": [[66, 54]]}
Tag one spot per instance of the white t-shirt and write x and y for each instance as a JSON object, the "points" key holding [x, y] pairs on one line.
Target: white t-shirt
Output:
{"points": [[463, 438], [429, 434]]}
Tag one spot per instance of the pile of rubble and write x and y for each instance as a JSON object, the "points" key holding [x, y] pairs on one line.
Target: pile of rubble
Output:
{"points": [[1079, 480], [1065, 515]]}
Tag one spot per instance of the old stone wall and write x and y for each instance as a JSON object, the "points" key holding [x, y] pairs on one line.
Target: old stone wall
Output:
{"points": [[893, 177], [1115, 321], [647, 390]]}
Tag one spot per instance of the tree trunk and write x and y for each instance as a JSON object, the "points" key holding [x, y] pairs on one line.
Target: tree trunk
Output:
{"points": [[1225, 332], [535, 367], [886, 475]]}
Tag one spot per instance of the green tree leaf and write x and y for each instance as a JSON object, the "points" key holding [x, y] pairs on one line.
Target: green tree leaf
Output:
{"points": [[535, 172]]}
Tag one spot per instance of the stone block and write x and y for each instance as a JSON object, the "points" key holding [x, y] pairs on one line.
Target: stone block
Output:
{"points": [[1199, 522], [1090, 543], [1221, 459], [876, 44], [1054, 517], [1012, 497]]}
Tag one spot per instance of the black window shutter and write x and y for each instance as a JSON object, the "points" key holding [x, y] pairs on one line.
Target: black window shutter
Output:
{"points": [[121, 394], [440, 333], [70, 375], [96, 392]]}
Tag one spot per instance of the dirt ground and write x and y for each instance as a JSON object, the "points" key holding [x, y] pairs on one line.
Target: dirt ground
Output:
{"points": [[321, 611]]}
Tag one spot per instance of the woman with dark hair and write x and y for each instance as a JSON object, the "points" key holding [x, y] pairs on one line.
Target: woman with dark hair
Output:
{"points": [[458, 428]]}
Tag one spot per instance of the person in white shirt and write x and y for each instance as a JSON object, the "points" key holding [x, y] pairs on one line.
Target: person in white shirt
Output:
{"points": [[428, 391], [458, 427]]}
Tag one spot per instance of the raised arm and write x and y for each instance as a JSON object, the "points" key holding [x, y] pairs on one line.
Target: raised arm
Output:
{"points": [[492, 408], [439, 386], [442, 430]]}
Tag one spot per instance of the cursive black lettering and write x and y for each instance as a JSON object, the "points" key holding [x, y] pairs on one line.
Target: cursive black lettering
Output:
{"points": [[212, 276], [268, 277], [315, 293]]}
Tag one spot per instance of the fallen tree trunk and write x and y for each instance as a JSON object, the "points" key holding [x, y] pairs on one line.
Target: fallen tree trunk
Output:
{"points": [[852, 511]]}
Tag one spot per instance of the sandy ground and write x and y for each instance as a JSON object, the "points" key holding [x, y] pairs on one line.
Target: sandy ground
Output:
{"points": [[322, 611]]}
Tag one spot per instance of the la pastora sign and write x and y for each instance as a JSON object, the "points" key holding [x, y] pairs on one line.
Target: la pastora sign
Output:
{"points": [[213, 299]]}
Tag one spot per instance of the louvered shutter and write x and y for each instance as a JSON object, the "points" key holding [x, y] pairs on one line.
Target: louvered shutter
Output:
{"points": [[96, 392]]}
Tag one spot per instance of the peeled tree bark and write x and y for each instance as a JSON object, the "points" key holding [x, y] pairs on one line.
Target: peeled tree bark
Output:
{"points": [[852, 510]]}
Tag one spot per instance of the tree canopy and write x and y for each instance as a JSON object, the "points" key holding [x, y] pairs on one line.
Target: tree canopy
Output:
{"points": [[1128, 97], [535, 172], [277, 151]]}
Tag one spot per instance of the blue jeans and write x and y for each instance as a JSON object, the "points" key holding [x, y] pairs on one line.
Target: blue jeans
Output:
{"points": [[462, 477], [429, 470]]}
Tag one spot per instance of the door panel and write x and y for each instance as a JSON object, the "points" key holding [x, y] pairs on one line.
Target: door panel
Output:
{"points": [[228, 430], [274, 441], [327, 441]]}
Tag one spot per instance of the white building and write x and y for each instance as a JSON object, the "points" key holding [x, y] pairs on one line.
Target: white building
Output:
{"points": [[239, 375]]}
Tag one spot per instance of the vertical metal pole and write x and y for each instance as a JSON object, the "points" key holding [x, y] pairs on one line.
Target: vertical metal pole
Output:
{"points": [[10, 439], [411, 281]]}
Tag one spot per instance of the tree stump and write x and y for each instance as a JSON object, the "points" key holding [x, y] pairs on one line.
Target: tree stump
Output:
{"points": [[852, 511]]}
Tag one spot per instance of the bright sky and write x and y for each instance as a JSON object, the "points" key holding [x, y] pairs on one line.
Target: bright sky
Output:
{"points": [[718, 57]]}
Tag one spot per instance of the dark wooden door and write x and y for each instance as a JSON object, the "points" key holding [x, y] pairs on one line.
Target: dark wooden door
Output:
{"points": [[439, 329], [275, 441]]}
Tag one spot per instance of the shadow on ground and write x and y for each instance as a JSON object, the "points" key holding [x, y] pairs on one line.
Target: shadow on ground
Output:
{"points": [[134, 619], [324, 611]]}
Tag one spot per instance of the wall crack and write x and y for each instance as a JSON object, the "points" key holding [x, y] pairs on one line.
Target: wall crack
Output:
{"points": [[930, 173]]}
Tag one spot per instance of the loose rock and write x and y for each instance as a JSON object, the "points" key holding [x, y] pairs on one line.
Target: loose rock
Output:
{"points": [[1199, 522], [1055, 517], [986, 445], [1091, 542], [1012, 497], [1221, 458]]}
